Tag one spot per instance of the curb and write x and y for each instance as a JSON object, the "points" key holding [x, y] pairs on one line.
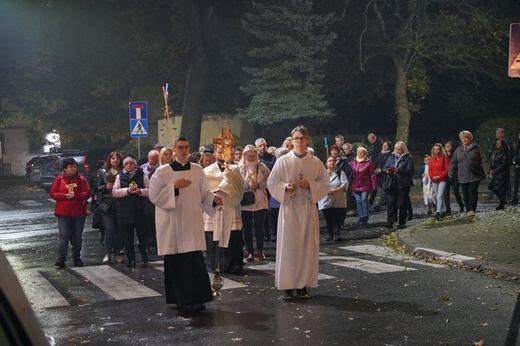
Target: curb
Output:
{"points": [[471, 263]]}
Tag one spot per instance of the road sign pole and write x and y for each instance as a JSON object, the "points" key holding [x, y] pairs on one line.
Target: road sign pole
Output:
{"points": [[139, 147]]}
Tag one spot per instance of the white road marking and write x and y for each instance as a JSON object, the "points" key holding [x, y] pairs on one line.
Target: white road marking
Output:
{"points": [[228, 283], [364, 265], [384, 252], [4, 205], [444, 255], [30, 203], [116, 284], [39, 291]]}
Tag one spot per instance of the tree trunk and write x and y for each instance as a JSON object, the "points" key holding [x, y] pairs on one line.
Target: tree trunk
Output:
{"points": [[404, 115], [203, 19]]}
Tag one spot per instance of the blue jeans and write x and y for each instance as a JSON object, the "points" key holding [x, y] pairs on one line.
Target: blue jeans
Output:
{"points": [[113, 234], [361, 203], [438, 192], [71, 229]]}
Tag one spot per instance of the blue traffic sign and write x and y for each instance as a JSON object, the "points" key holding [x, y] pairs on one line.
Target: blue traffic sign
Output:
{"points": [[138, 120]]}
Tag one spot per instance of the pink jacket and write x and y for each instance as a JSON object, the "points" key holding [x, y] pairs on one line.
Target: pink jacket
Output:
{"points": [[364, 178]]}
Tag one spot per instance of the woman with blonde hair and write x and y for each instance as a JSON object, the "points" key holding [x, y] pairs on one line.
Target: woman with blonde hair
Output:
{"points": [[255, 176], [287, 143], [363, 182], [334, 204], [467, 164], [438, 174], [399, 166], [165, 156]]}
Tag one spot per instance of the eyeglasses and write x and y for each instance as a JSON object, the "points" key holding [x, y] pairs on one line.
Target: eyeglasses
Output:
{"points": [[183, 147], [298, 139], [129, 163]]}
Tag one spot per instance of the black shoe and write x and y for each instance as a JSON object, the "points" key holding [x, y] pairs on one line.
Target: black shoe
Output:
{"points": [[514, 201], [410, 217], [438, 217], [303, 294], [447, 212], [500, 207], [389, 225], [338, 239], [194, 307], [377, 208], [131, 264], [145, 258], [59, 263], [461, 210], [77, 262], [288, 296], [401, 226]]}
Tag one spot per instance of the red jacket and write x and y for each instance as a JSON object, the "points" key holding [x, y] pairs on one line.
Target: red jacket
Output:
{"points": [[439, 166], [363, 176], [70, 207]]}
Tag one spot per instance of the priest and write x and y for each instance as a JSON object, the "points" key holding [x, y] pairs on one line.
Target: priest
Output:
{"points": [[181, 193]]}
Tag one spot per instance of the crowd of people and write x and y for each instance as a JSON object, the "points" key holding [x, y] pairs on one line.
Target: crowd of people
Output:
{"points": [[191, 207]]}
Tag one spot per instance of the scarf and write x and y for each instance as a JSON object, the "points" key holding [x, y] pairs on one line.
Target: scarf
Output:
{"points": [[130, 174]]}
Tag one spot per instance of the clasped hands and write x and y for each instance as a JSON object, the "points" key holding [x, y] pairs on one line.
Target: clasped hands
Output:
{"points": [[302, 184]]}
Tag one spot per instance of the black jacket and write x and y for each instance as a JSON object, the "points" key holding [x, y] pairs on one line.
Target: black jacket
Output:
{"points": [[130, 208]]}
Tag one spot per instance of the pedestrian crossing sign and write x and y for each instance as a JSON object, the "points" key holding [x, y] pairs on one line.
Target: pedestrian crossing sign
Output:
{"points": [[139, 128], [138, 119]]}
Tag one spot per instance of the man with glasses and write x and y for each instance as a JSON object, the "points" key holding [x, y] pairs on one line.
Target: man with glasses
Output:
{"points": [[180, 191], [298, 180]]}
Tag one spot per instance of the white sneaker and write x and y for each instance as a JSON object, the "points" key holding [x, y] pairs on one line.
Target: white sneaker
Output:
{"points": [[106, 259]]}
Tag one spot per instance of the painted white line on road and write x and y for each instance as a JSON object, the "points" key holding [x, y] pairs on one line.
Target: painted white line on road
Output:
{"points": [[443, 255], [384, 252], [4, 205], [39, 291], [364, 265], [30, 203], [228, 283], [269, 268], [115, 283]]}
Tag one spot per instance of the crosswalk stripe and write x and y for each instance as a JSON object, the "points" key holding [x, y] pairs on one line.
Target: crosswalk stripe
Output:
{"points": [[39, 291], [269, 268], [228, 283], [116, 284], [444, 255], [384, 252], [3, 205], [364, 265], [30, 203]]}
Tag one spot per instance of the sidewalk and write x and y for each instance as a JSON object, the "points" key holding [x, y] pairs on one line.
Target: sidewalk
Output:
{"points": [[488, 242]]}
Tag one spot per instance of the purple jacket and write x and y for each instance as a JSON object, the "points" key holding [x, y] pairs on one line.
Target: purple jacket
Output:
{"points": [[364, 177]]}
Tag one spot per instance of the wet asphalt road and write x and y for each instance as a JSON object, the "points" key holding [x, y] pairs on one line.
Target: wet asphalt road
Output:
{"points": [[368, 294]]}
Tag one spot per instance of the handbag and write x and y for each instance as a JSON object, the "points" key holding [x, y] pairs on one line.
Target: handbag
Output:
{"points": [[248, 198], [391, 184], [103, 205]]}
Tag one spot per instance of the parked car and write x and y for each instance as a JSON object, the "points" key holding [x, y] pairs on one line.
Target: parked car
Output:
{"points": [[39, 164], [18, 325], [35, 163], [86, 160]]}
